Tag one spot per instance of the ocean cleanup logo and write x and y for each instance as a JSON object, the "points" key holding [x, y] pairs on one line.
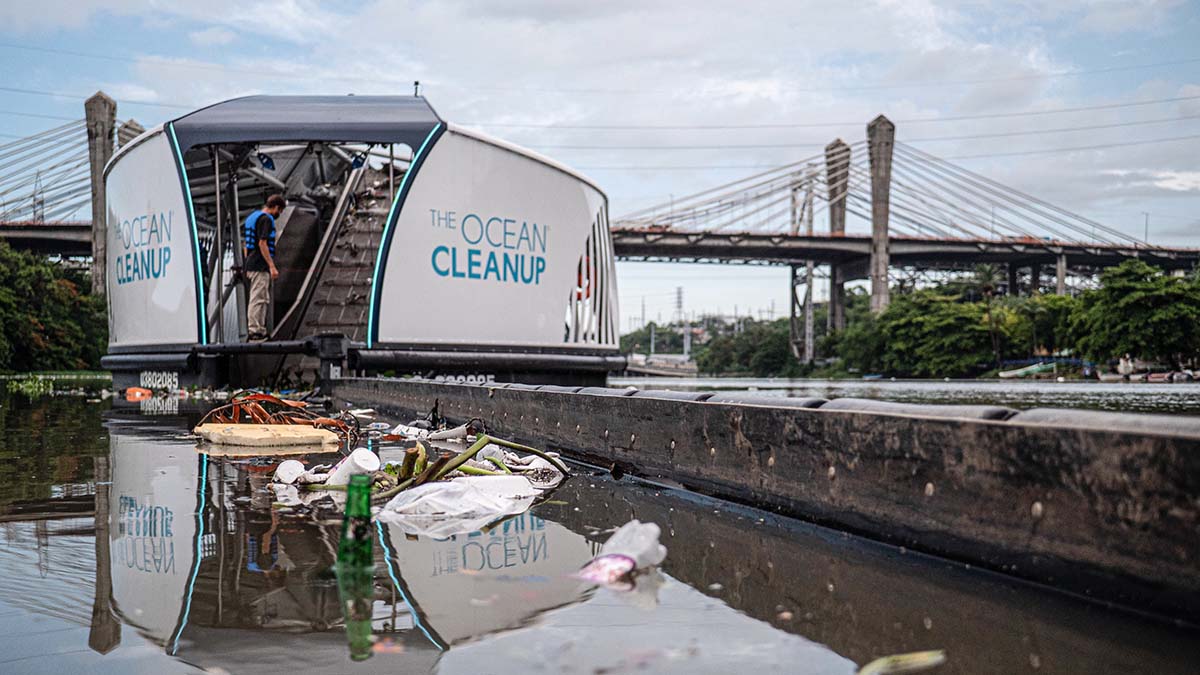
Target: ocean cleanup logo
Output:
{"points": [[146, 246], [496, 248]]}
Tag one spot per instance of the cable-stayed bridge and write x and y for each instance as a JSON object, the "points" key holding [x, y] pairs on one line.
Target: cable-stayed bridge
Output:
{"points": [[915, 213], [873, 209]]}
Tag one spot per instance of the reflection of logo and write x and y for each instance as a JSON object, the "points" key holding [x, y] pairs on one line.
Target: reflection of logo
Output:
{"points": [[145, 541], [519, 541]]}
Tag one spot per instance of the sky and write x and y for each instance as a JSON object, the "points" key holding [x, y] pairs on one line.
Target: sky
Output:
{"points": [[539, 73]]}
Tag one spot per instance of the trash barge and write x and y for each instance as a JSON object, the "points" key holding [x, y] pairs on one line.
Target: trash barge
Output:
{"points": [[409, 245]]}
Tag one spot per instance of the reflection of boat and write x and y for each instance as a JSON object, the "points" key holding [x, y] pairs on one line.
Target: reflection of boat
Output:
{"points": [[153, 532], [484, 582], [1027, 370], [216, 579]]}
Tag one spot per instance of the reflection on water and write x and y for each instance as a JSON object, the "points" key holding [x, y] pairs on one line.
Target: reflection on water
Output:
{"points": [[1182, 398], [129, 551]]}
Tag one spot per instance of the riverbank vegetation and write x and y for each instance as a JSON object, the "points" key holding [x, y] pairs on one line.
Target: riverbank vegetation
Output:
{"points": [[963, 328], [48, 319]]}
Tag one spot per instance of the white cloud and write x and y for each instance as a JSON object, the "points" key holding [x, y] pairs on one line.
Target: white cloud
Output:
{"points": [[683, 62], [212, 37]]}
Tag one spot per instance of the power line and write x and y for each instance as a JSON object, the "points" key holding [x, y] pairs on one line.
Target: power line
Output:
{"points": [[1077, 148], [692, 167], [817, 125], [38, 92], [929, 139], [160, 61], [37, 115]]}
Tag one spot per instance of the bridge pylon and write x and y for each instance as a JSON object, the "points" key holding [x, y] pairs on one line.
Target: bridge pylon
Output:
{"points": [[837, 178], [101, 114], [881, 138]]}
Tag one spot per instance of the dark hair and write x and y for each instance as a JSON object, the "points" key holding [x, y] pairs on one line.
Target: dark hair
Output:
{"points": [[276, 201]]}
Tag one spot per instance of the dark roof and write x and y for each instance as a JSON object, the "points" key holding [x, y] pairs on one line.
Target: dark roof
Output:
{"points": [[372, 119]]}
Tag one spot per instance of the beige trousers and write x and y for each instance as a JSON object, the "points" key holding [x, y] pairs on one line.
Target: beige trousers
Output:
{"points": [[260, 301]]}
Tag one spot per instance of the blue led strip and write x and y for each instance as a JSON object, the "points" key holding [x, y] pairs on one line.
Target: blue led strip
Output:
{"points": [[385, 243], [387, 559], [201, 318], [187, 607]]}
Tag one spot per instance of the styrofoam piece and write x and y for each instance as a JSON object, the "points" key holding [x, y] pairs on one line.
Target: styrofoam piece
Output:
{"points": [[361, 460]]}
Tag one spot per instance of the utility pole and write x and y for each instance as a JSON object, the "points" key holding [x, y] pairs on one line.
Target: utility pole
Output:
{"points": [[100, 112], [1146, 236]]}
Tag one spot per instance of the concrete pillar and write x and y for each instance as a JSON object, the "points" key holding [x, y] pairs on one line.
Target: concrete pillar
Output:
{"points": [[881, 134], [105, 633], [129, 130], [1060, 275], [100, 112], [1035, 279], [837, 177], [794, 313], [1012, 279], [810, 345]]}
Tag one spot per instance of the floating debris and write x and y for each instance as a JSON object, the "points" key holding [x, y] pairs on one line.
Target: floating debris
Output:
{"points": [[632, 550], [265, 435], [435, 491], [458, 506], [246, 410], [904, 663]]}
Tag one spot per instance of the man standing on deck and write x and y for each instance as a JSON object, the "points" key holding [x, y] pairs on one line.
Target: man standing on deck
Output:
{"points": [[259, 235]]}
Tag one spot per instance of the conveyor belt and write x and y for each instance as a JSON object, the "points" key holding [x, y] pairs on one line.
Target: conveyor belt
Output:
{"points": [[341, 297]]}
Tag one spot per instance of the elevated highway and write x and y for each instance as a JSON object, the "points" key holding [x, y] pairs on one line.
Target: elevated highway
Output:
{"points": [[662, 245]]}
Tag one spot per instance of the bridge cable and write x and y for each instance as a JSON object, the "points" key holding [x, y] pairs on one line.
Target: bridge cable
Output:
{"points": [[1020, 199]]}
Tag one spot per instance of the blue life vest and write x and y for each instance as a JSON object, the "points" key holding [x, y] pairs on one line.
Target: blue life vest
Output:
{"points": [[249, 231]]}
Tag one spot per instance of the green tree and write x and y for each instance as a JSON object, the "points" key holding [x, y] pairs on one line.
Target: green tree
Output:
{"points": [[1141, 311], [46, 321], [987, 279], [1046, 324], [927, 333]]}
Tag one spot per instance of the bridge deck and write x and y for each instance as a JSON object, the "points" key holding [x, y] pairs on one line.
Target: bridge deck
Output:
{"points": [[668, 245]]}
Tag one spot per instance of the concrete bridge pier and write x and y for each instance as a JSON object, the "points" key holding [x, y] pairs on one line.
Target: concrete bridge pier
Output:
{"points": [[881, 136], [837, 177], [1060, 275], [100, 112], [1035, 279], [1012, 286]]}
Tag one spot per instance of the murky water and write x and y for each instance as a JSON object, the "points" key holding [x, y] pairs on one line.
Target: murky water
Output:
{"points": [[125, 550], [1182, 398]]}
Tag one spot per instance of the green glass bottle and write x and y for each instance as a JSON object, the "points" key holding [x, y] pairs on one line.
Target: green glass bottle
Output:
{"points": [[356, 587], [355, 548], [356, 567]]}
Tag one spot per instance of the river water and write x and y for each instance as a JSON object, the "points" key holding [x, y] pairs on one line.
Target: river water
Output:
{"points": [[125, 550], [1181, 399]]}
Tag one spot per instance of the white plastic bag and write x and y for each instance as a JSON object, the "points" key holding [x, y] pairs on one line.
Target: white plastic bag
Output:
{"points": [[639, 541], [458, 506]]}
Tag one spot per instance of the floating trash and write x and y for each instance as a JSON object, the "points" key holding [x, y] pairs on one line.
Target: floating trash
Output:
{"points": [[904, 663], [239, 422], [631, 551], [434, 491]]}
